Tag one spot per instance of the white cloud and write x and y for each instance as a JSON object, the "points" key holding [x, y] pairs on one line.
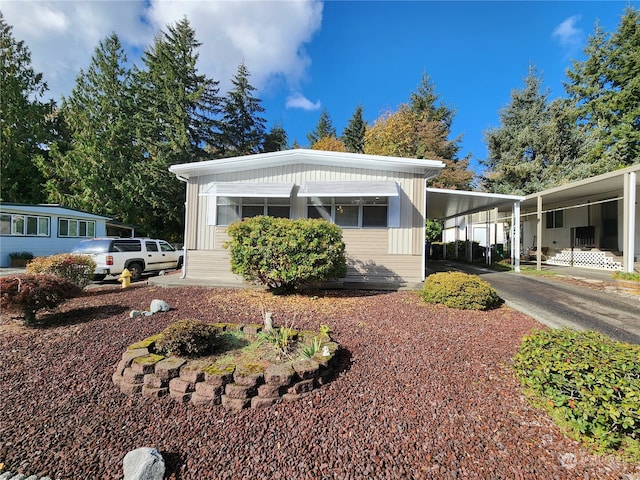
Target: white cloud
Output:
{"points": [[297, 100], [567, 34], [268, 36]]}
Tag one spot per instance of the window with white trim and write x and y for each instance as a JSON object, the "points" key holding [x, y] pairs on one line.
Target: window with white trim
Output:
{"points": [[71, 227], [232, 209], [24, 225], [351, 212]]}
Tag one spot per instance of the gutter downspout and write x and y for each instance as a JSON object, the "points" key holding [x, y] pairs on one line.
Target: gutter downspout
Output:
{"points": [[424, 234], [184, 238]]}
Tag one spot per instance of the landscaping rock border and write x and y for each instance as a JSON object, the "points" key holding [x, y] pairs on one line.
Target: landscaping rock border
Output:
{"points": [[142, 372]]}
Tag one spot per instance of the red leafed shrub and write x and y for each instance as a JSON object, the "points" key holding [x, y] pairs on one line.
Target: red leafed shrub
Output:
{"points": [[29, 293], [75, 268]]}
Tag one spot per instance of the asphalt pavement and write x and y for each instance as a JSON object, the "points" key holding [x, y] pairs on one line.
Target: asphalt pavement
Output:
{"points": [[556, 303]]}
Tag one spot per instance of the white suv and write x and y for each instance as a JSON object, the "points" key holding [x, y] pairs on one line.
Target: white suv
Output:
{"points": [[138, 255]]}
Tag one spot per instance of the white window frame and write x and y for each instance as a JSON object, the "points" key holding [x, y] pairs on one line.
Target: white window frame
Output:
{"points": [[360, 202], [14, 218], [75, 226]]}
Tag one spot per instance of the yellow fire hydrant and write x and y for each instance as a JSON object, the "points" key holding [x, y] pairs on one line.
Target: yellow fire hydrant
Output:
{"points": [[125, 278]]}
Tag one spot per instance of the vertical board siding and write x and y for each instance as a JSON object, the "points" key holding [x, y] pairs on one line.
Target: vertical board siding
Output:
{"points": [[398, 250]]}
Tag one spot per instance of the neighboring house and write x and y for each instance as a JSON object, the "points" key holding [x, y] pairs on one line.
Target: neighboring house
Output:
{"points": [[379, 202], [592, 223], [44, 229]]}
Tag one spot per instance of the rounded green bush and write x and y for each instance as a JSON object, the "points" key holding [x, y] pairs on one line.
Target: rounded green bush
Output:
{"points": [[589, 383], [459, 290], [187, 338]]}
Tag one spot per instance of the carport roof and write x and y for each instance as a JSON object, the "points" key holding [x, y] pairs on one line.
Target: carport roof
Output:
{"points": [[608, 185], [443, 204]]}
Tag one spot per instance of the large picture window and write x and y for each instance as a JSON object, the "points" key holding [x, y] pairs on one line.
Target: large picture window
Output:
{"points": [[231, 209], [351, 212], [69, 227], [24, 225]]}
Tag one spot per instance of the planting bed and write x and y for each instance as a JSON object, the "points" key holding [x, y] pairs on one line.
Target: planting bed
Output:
{"points": [[422, 391], [236, 382]]}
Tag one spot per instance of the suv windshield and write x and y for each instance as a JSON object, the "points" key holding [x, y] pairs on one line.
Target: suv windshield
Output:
{"points": [[92, 246]]}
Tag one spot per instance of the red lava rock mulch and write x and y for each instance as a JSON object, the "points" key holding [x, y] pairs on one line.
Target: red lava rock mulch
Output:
{"points": [[424, 392]]}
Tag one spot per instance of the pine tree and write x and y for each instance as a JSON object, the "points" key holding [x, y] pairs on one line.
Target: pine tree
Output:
{"points": [[275, 140], [353, 134], [323, 129], [242, 130], [421, 129], [97, 170], [605, 92], [176, 118], [518, 148], [27, 123]]}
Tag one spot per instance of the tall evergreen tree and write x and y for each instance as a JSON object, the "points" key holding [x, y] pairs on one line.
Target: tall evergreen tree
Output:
{"points": [[242, 129], [275, 140], [176, 118], [518, 152], [353, 134], [605, 91], [97, 171], [27, 123], [323, 129], [421, 129]]}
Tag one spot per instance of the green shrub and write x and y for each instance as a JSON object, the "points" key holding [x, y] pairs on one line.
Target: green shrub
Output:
{"points": [[21, 256], [284, 254], [459, 290], [29, 293], [77, 269], [187, 338], [589, 383]]}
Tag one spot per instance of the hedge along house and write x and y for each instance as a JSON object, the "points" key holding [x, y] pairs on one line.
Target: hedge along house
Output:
{"points": [[44, 229], [379, 202]]}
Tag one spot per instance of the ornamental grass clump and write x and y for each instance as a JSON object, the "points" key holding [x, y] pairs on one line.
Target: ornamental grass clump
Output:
{"points": [[77, 269], [588, 383], [459, 290], [191, 338], [27, 294]]}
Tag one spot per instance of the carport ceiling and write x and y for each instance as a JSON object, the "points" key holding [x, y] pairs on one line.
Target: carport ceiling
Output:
{"points": [[443, 204]]}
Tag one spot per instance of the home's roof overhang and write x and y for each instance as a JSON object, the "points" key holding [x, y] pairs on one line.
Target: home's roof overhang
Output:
{"points": [[443, 204], [426, 168]]}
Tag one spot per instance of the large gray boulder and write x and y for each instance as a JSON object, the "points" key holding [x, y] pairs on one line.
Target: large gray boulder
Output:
{"points": [[143, 464], [159, 306]]}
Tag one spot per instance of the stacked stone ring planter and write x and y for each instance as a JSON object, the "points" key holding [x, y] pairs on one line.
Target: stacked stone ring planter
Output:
{"points": [[141, 372]]}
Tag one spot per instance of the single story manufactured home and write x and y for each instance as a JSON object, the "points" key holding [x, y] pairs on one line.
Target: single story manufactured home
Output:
{"points": [[380, 203], [44, 230]]}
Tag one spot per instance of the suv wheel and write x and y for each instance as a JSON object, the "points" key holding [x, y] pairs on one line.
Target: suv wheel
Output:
{"points": [[136, 271]]}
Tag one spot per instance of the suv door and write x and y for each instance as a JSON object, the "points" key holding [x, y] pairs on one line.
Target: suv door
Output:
{"points": [[171, 255], [153, 257]]}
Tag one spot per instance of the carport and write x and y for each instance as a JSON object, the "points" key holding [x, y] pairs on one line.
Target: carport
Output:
{"points": [[444, 204]]}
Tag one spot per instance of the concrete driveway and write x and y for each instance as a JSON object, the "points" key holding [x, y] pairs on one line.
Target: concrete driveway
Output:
{"points": [[587, 302]]}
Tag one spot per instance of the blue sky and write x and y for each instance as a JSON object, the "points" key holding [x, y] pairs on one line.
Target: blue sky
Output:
{"points": [[305, 56]]}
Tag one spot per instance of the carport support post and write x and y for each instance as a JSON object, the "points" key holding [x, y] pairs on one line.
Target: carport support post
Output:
{"points": [[539, 234], [629, 221], [515, 238], [487, 238]]}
